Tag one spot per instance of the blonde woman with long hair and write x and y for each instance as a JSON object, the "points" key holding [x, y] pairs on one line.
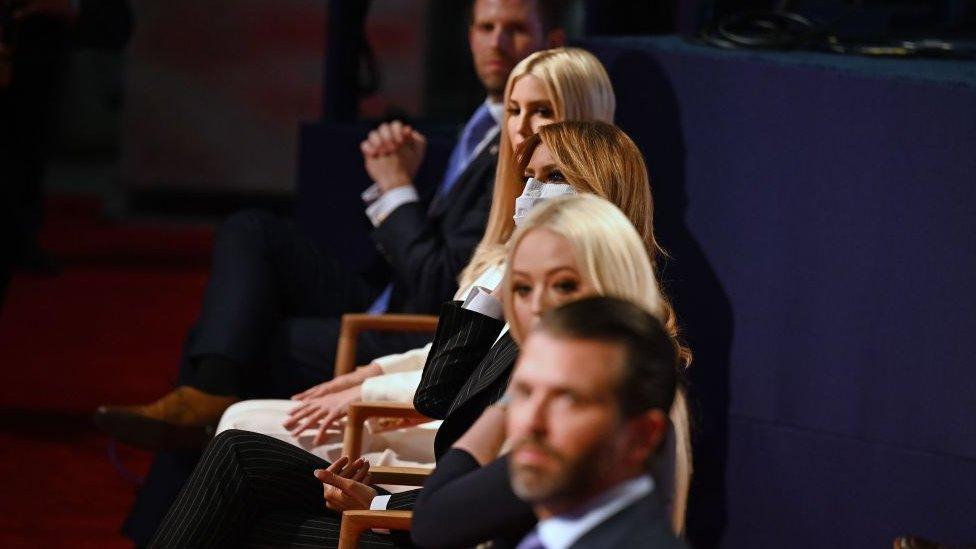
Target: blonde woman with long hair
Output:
{"points": [[546, 87], [567, 249]]}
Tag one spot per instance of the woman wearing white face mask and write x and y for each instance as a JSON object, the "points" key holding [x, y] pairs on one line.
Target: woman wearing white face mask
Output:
{"points": [[473, 355], [548, 86]]}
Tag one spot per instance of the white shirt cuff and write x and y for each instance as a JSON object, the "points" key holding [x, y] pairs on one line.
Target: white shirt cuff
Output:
{"points": [[388, 202], [379, 503], [371, 194], [481, 301]]}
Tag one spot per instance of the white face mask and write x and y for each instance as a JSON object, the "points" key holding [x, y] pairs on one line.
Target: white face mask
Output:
{"points": [[536, 192]]}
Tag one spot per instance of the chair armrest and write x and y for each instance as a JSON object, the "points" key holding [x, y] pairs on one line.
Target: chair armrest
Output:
{"points": [[355, 323], [402, 476], [359, 412], [354, 522]]}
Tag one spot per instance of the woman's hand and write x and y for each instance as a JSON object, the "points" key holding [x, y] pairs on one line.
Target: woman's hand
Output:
{"points": [[322, 412], [340, 383], [345, 485]]}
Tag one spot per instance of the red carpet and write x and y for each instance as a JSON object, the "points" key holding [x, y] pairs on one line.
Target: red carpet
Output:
{"points": [[107, 329]]}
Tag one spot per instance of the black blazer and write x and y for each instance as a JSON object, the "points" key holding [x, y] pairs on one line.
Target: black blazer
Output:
{"points": [[428, 243], [464, 374], [466, 371]]}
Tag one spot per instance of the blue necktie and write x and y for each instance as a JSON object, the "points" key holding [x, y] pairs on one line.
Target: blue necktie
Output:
{"points": [[474, 132]]}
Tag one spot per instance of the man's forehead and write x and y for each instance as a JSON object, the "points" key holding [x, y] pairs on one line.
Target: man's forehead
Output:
{"points": [[505, 10]]}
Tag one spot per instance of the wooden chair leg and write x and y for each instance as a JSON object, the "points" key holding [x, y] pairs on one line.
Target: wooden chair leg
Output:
{"points": [[355, 522]]}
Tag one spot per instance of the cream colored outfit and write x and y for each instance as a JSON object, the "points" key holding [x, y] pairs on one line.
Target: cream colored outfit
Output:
{"points": [[410, 446]]}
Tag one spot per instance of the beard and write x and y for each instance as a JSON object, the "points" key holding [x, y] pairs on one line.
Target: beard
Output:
{"points": [[566, 480]]}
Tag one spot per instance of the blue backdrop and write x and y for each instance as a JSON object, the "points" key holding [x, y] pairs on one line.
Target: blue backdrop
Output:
{"points": [[821, 216]]}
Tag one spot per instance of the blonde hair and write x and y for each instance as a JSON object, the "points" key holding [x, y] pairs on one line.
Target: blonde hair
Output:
{"points": [[613, 258], [579, 88], [600, 159]]}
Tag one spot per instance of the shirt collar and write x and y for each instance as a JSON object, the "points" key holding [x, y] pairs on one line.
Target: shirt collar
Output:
{"points": [[562, 531]]}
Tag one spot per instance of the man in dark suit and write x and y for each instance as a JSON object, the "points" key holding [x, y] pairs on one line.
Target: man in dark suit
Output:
{"points": [[270, 317], [588, 408]]}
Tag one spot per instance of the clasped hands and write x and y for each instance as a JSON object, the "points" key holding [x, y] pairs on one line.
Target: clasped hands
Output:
{"points": [[392, 154], [345, 485]]}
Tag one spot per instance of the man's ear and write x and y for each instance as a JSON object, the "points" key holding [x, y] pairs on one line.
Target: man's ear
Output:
{"points": [[647, 432], [556, 38]]}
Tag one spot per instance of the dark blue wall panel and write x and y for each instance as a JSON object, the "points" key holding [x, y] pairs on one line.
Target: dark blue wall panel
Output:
{"points": [[821, 214]]}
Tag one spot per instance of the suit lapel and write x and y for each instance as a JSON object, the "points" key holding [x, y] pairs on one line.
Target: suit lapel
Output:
{"points": [[497, 363], [485, 159]]}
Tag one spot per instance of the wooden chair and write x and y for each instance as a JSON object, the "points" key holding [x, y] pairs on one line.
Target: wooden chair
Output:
{"points": [[354, 324], [355, 522]]}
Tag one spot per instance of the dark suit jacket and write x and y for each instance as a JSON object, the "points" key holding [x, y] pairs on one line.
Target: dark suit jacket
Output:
{"points": [[428, 243], [464, 374], [477, 502], [466, 371], [479, 505], [641, 525]]}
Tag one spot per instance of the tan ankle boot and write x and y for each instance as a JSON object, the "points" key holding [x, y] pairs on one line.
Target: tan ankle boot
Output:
{"points": [[184, 418], [186, 406]]}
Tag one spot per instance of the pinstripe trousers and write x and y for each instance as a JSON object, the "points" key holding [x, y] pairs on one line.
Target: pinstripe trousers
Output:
{"points": [[253, 490]]}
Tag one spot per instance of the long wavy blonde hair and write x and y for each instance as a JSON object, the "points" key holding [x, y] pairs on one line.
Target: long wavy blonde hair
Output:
{"points": [[579, 88], [613, 259], [611, 255], [595, 158]]}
